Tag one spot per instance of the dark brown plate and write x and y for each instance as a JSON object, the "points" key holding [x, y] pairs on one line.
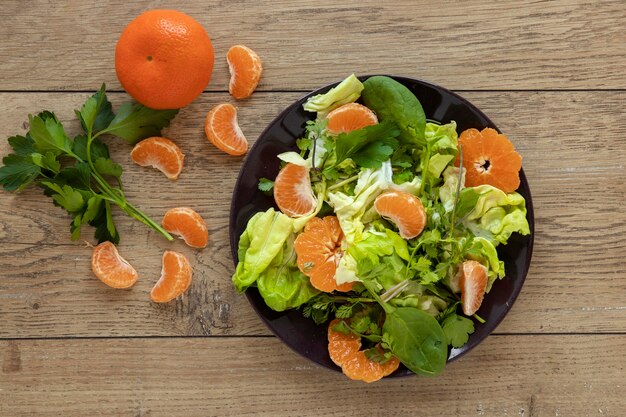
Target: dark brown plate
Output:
{"points": [[303, 335]]}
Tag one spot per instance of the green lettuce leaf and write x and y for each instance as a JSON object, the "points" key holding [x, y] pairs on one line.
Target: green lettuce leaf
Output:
{"points": [[259, 244], [497, 215], [347, 91], [282, 285]]}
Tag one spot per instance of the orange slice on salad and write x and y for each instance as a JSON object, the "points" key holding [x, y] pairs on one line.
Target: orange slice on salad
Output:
{"points": [[360, 368], [341, 346], [405, 210], [189, 225], [175, 278], [245, 71], [489, 158], [349, 117], [159, 153], [223, 131], [473, 285], [111, 268], [293, 192], [318, 251]]}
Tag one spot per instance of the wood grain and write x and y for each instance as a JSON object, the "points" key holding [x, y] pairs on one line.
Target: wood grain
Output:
{"points": [[533, 376], [474, 45], [573, 162]]}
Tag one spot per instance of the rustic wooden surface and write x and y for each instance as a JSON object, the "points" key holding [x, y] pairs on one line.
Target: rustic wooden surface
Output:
{"points": [[549, 74]]}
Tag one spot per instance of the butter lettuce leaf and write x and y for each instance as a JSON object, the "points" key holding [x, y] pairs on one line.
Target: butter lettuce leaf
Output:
{"points": [[260, 243], [497, 215], [347, 91]]}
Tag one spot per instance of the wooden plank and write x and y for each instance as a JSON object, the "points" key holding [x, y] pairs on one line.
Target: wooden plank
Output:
{"points": [[507, 44], [508, 375], [575, 280]]}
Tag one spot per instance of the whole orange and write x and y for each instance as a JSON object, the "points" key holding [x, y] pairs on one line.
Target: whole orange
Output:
{"points": [[164, 59]]}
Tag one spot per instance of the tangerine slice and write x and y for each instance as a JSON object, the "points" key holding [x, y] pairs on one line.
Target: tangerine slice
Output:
{"points": [[111, 268], [189, 225], [293, 192], [349, 117], [404, 209], [175, 278], [489, 158], [245, 71], [358, 367], [341, 346], [223, 131], [473, 284], [318, 251], [159, 153]]}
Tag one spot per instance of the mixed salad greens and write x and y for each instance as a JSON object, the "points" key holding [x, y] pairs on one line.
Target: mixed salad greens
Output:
{"points": [[405, 300]]}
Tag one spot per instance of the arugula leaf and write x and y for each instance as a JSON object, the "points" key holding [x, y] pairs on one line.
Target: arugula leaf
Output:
{"points": [[355, 144], [97, 113], [457, 329], [134, 122], [48, 135], [18, 172]]}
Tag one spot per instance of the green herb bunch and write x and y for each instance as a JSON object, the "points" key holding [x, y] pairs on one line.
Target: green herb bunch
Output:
{"points": [[78, 174]]}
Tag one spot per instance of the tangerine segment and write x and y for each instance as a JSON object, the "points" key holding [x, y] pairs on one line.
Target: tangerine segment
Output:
{"points": [[318, 250], [293, 192], [160, 153], [349, 117], [164, 59], [473, 284], [341, 346], [404, 209], [175, 278], [245, 71], [189, 225], [358, 367], [223, 131], [490, 158], [111, 268]]}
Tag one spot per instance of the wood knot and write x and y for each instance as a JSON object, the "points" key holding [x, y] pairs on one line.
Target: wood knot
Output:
{"points": [[12, 360]]}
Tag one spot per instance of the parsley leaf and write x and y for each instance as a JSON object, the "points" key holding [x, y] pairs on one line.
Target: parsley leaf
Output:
{"points": [[65, 196], [97, 112], [47, 161], [134, 122], [355, 144], [18, 172], [457, 329], [265, 185], [105, 166], [48, 135], [22, 145]]}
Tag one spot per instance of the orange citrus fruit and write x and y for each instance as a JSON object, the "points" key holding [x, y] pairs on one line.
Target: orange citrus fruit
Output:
{"points": [[341, 346], [164, 59], [175, 278], [245, 71], [489, 158], [189, 225], [404, 209], [318, 251], [111, 268], [223, 131], [344, 351], [473, 284], [160, 153], [358, 367], [349, 117], [293, 192]]}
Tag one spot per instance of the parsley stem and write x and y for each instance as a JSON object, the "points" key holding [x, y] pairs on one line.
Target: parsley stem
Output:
{"points": [[342, 183]]}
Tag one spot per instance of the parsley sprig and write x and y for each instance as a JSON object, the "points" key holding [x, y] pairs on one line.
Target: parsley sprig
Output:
{"points": [[79, 174]]}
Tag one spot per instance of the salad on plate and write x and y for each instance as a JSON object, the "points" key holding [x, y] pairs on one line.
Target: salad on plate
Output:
{"points": [[386, 228]]}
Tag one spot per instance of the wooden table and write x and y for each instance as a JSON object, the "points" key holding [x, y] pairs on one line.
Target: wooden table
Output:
{"points": [[551, 75]]}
